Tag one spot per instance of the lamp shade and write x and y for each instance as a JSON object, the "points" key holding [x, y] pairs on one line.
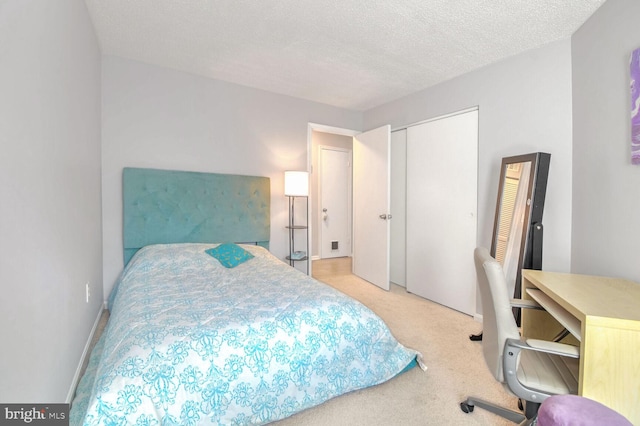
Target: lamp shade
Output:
{"points": [[296, 184]]}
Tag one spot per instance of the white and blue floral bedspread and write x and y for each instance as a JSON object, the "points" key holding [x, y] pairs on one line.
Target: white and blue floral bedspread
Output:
{"points": [[192, 342]]}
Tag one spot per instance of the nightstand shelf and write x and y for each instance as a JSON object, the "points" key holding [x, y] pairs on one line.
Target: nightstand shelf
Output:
{"points": [[295, 259], [294, 231]]}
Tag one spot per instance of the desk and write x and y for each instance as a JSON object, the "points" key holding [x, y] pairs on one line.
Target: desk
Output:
{"points": [[603, 315]]}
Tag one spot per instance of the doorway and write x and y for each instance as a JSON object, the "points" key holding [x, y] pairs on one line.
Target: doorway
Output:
{"points": [[327, 137], [360, 230]]}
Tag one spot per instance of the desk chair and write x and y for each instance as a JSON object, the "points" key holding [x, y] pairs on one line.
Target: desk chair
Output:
{"points": [[530, 369]]}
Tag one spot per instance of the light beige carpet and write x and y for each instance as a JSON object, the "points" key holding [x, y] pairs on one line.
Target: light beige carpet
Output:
{"points": [[455, 365]]}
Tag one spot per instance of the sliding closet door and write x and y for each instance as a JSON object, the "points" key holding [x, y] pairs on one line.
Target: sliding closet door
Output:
{"points": [[442, 169]]}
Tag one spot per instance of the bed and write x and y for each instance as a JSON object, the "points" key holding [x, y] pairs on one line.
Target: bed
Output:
{"points": [[208, 327]]}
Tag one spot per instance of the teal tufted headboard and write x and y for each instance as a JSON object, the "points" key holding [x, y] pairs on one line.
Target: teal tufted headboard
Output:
{"points": [[168, 206]]}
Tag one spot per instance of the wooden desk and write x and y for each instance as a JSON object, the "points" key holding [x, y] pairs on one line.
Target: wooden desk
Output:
{"points": [[605, 316]]}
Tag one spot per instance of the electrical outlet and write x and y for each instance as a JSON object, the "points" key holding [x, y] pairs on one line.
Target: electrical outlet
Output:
{"points": [[88, 292]]}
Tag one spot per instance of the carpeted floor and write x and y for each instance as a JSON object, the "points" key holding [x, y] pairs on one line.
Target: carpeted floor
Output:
{"points": [[455, 365]]}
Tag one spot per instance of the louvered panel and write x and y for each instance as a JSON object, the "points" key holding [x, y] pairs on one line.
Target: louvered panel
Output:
{"points": [[509, 193]]}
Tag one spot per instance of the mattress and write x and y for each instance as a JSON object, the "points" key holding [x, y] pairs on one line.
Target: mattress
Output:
{"points": [[190, 341]]}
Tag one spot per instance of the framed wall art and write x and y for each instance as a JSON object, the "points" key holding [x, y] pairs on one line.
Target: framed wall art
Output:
{"points": [[635, 106]]}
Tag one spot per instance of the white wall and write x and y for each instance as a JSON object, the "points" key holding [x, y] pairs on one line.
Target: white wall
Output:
{"points": [[606, 191], [50, 234], [524, 106], [157, 117]]}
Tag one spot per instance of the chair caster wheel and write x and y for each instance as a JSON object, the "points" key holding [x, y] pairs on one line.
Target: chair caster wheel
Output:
{"points": [[475, 337], [466, 407]]}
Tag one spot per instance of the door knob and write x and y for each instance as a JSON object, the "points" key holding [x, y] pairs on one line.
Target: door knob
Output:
{"points": [[324, 210], [383, 216]]}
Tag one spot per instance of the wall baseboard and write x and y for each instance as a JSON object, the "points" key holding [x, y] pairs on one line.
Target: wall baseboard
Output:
{"points": [[85, 354], [478, 317]]}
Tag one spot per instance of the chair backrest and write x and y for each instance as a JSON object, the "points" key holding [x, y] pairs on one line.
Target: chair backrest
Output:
{"points": [[498, 322]]}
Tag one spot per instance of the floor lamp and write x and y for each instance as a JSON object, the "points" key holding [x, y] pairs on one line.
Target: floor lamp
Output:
{"points": [[296, 184]]}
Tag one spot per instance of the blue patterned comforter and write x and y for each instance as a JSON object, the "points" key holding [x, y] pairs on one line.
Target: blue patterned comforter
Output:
{"points": [[192, 342]]}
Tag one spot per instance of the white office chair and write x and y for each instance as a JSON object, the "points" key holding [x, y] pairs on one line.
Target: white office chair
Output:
{"points": [[531, 369]]}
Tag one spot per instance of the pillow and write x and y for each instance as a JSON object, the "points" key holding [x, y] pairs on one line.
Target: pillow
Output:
{"points": [[229, 255]]}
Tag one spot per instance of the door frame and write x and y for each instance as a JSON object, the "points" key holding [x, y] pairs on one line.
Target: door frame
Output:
{"points": [[321, 170], [311, 127]]}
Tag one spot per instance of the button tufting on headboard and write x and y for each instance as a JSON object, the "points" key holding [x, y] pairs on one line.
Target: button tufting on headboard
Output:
{"points": [[193, 207]]}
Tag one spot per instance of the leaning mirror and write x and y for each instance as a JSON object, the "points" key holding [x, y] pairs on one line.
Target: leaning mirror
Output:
{"points": [[517, 230]]}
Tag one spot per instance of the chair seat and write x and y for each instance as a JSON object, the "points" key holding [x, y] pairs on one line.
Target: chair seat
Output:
{"points": [[567, 410], [549, 373]]}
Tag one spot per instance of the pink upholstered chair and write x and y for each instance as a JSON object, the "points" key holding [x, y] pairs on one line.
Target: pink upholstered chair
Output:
{"points": [[573, 410]]}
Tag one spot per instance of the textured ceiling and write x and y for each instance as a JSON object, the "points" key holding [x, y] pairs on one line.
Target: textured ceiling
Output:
{"points": [[355, 54]]}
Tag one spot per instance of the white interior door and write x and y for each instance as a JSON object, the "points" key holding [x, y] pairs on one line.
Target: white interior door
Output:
{"points": [[371, 206], [442, 168], [335, 202]]}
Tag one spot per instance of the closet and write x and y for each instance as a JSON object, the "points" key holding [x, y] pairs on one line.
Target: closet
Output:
{"points": [[441, 210]]}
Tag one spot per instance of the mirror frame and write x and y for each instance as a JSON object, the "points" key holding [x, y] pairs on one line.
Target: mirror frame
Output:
{"points": [[530, 252]]}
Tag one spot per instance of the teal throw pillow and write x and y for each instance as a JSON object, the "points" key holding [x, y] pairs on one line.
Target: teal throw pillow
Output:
{"points": [[229, 255]]}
